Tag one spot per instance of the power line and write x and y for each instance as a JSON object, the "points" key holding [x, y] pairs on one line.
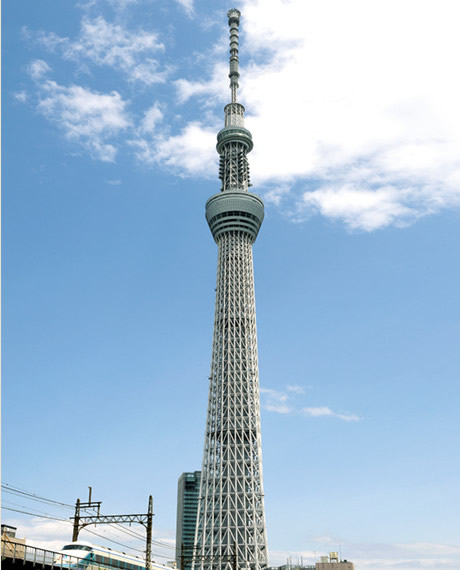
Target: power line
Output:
{"points": [[34, 496], [87, 530], [34, 514]]}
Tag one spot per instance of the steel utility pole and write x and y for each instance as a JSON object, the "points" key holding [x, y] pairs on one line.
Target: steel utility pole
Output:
{"points": [[146, 520], [149, 525], [79, 505]]}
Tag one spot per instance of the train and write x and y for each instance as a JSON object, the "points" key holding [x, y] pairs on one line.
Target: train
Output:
{"points": [[81, 555]]}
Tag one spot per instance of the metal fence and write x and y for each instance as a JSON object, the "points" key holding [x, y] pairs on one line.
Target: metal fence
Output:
{"points": [[17, 551]]}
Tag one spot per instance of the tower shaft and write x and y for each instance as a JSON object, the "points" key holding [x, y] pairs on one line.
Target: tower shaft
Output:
{"points": [[231, 521], [231, 510]]}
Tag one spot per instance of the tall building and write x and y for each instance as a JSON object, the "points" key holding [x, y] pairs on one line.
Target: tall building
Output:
{"points": [[231, 518], [188, 489]]}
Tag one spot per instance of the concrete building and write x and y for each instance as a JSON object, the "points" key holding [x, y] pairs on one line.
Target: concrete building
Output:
{"points": [[332, 562], [188, 489]]}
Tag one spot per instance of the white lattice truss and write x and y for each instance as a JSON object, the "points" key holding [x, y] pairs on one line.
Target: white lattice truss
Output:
{"points": [[231, 510], [234, 167]]}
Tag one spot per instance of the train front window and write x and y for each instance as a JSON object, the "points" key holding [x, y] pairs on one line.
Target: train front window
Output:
{"points": [[76, 547]]}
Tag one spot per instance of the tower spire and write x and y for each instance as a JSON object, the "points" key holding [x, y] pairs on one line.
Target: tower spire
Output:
{"points": [[234, 22]]}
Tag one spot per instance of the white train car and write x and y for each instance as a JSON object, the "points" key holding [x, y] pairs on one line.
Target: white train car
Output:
{"points": [[86, 556]]}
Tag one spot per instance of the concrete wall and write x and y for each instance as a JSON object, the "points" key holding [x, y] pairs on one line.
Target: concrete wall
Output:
{"points": [[335, 566]]}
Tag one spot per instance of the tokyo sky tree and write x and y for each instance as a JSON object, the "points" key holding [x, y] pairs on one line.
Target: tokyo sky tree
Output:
{"points": [[231, 520]]}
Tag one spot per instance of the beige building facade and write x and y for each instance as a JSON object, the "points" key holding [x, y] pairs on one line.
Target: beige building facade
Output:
{"points": [[332, 562]]}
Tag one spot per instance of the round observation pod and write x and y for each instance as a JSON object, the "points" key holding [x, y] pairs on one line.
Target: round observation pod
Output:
{"points": [[235, 211], [234, 134]]}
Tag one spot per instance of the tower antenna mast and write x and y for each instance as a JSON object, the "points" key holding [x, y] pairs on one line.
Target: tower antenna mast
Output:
{"points": [[234, 22]]}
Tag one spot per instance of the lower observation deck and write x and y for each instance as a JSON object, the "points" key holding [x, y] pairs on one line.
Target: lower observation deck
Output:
{"points": [[235, 211]]}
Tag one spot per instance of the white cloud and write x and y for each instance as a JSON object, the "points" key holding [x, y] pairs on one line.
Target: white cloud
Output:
{"points": [[275, 394], [351, 99], [216, 86], [187, 5], [277, 194], [295, 389], [325, 411], [362, 207], [86, 117], [105, 43], [152, 117], [275, 401], [38, 68], [277, 408], [51, 41], [286, 402], [431, 548], [20, 96], [43, 533], [121, 4], [192, 151]]}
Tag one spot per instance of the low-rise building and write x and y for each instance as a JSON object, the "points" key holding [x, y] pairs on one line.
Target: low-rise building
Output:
{"points": [[12, 547], [332, 562]]}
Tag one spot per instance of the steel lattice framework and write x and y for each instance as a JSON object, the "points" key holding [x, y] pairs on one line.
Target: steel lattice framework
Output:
{"points": [[231, 521]]}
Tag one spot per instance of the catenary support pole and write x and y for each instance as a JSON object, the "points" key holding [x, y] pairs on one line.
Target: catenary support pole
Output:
{"points": [[148, 549], [76, 521]]}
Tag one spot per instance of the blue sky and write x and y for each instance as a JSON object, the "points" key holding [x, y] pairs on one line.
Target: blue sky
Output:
{"points": [[110, 113]]}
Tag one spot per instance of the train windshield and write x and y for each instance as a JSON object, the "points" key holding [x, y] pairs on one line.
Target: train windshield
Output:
{"points": [[76, 547]]}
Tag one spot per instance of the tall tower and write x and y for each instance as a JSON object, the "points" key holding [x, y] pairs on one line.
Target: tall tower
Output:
{"points": [[231, 518]]}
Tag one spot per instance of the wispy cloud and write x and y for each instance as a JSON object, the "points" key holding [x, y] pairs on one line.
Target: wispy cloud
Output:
{"points": [[216, 86], [21, 96], [325, 411], [277, 194], [412, 556], [105, 43], [38, 68], [152, 117], [174, 151], [188, 6], [295, 389], [287, 401], [121, 4], [275, 401], [86, 117]]}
